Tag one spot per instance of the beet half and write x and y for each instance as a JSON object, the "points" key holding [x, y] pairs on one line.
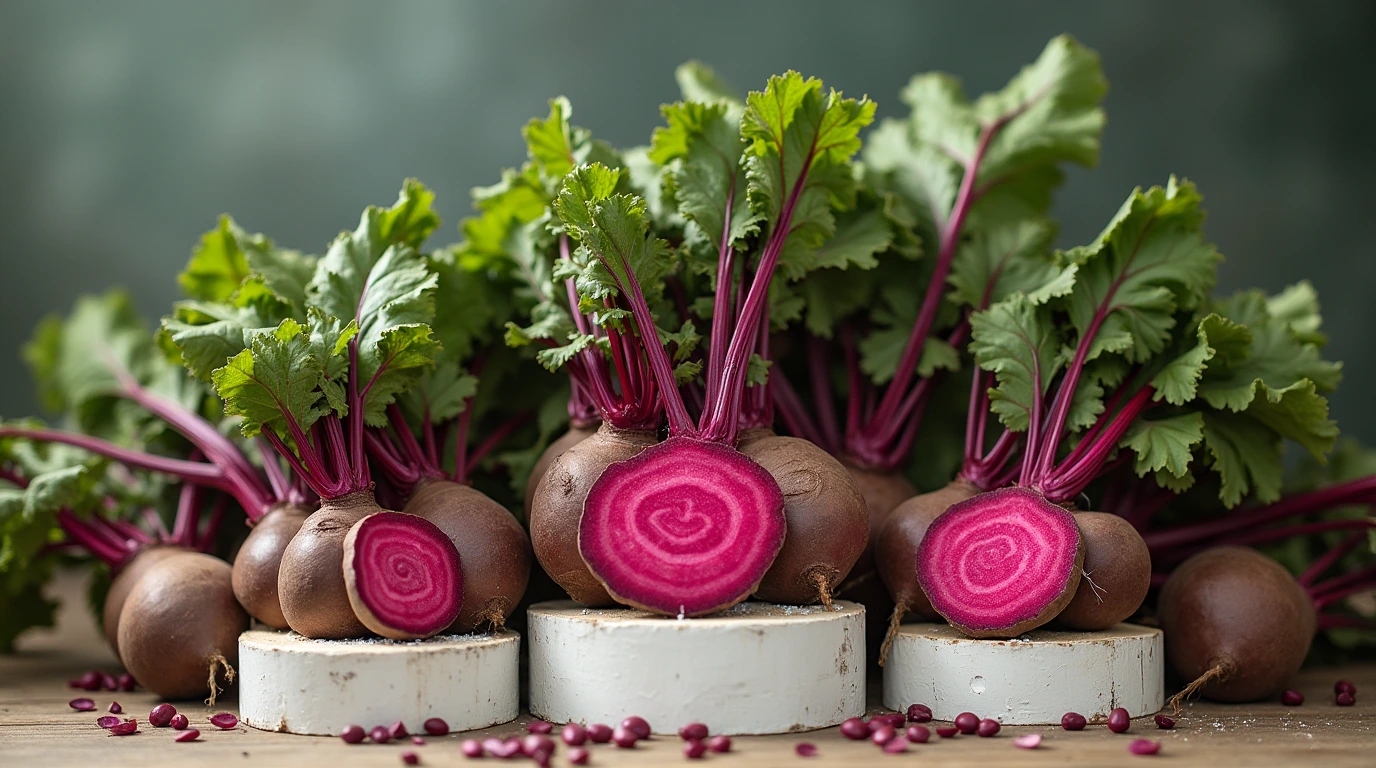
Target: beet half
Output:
{"points": [[558, 505], [686, 527], [1117, 573], [828, 525], [314, 598], [259, 560], [1001, 563], [403, 575]]}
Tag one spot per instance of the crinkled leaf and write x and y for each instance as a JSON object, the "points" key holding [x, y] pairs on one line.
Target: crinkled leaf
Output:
{"points": [[1246, 455], [701, 147], [277, 379], [1016, 340], [1164, 444], [1010, 258], [697, 82]]}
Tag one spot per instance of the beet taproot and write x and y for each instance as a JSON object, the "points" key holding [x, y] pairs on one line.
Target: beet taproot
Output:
{"points": [[314, 598], [1117, 573], [259, 560]]}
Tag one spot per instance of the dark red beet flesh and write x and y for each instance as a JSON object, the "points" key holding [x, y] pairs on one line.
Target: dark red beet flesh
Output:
{"points": [[554, 450], [827, 524], [403, 575], [557, 507], [259, 559], [1117, 573], [1236, 623], [119, 590], [686, 527], [311, 587], [494, 551], [179, 630], [1001, 563]]}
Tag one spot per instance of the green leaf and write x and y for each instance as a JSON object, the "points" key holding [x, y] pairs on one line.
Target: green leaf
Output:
{"points": [[614, 230], [555, 358], [1016, 340], [1246, 455], [701, 147], [551, 141], [757, 370], [697, 82], [218, 264], [1007, 259], [1298, 307], [277, 379], [1165, 444]]}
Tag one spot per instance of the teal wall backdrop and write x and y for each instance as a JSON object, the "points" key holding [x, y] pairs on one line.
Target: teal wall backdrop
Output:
{"points": [[127, 127]]}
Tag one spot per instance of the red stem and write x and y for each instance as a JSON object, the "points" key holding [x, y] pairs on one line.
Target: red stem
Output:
{"points": [[212, 527], [824, 403], [1330, 558], [1071, 478], [1293, 531], [493, 439], [1341, 582], [1359, 491], [79, 533], [1329, 598], [792, 412], [192, 471], [721, 301], [1339, 621]]}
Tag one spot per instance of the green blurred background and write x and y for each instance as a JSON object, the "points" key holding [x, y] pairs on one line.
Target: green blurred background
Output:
{"points": [[127, 127]]}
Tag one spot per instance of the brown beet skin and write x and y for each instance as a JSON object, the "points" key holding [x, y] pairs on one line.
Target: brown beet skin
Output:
{"points": [[895, 551], [827, 524], [1117, 573], [883, 492], [558, 506], [573, 437], [1235, 608], [181, 624], [494, 552], [259, 559], [315, 600], [124, 581]]}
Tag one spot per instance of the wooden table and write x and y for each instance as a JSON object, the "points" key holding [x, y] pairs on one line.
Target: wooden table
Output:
{"points": [[37, 728]]}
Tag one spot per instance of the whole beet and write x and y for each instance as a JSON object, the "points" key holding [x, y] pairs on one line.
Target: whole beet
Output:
{"points": [[1117, 573], [575, 435], [315, 599], [827, 523], [558, 506], [259, 560], [883, 492], [1236, 624], [124, 581]]}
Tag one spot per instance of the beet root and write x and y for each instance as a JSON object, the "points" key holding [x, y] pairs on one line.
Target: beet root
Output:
{"points": [[554, 450], [259, 559], [124, 581], [828, 526], [883, 492], [685, 527], [403, 574], [1237, 624], [179, 629], [1117, 573], [558, 506], [494, 552], [1001, 563], [310, 582]]}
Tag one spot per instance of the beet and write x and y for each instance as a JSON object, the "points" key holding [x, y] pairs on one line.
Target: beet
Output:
{"points": [[1002, 563], [494, 551], [179, 629], [882, 492], [260, 558], [554, 450], [403, 575], [311, 587], [123, 582], [1117, 573], [828, 525], [558, 506], [685, 527], [1236, 623]]}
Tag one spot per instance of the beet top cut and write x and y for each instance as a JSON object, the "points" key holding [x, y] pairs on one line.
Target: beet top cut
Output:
{"points": [[403, 575], [685, 527]]}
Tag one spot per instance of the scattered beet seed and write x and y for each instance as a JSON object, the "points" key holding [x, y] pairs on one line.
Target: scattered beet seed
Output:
{"points": [[536, 742], [855, 729], [806, 750], [188, 735], [126, 682], [1073, 721], [694, 749], [720, 744], [161, 715], [1344, 686], [919, 713], [125, 728], [967, 722], [379, 735], [918, 734], [179, 722], [1028, 741], [436, 727], [574, 735], [1346, 699], [397, 730], [115, 708], [637, 725], [107, 721], [988, 727], [599, 733], [352, 734], [539, 726], [693, 731], [1119, 721], [82, 705], [883, 735], [624, 737], [1144, 747], [470, 747], [896, 746], [109, 683], [947, 731], [410, 758], [1291, 698], [503, 749], [87, 682], [1165, 723], [224, 721], [578, 756], [418, 741]]}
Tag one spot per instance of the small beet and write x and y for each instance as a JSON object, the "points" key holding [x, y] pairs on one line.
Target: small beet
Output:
{"points": [[599, 733], [1165, 723], [224, 721], [1344, 686], [436, 727], [352, 734], [536, 742], [108, 682], [470, 747], [539, 726], [895, 719], [115, 708], [188, 735], [1119, 721], [947, 731], [988, 727], [397, 730], [179, 722], [1346, 699], [161, 715], [87, 682], [855, 729], [896, 746], [919, 713], [1291, 697], [82, 705], [694, 749], [624, 737], [637, 725], [125, 728], [578, 756], [418, 741], [107, 721], [918, 734], [1073, 721], [883, 735], [379, 735], [410, 758], [720, 744], [806, 750], [967, 722], [1028, 741], [574, 735], [693, 731], [1144, 747], [126, 682]]}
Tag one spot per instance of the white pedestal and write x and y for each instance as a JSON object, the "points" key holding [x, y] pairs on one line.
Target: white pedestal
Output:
{"points": [[1032, 680], [291, 684], [754, 669]]}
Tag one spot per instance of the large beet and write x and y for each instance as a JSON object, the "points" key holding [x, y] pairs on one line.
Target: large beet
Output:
{"points": [[1236, 623], [895, 551], [827, 527], [1117, 573], [573, 437], [883, 492], [259, 560], [315, 600], [124, 581], [558, 506]]}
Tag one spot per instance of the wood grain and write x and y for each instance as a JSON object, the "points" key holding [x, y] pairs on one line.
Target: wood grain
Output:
{"points": [[37, 728]]}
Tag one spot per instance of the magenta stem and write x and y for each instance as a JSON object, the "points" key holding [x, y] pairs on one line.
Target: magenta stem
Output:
{"points": [[193, 471], [1340, 621], [1331, 557], [99, 549], [212, 527], [490, 443], [1340, 582], [1293, 531], [1328, 598], [792, 412], [1072, 477], [819, 375]]}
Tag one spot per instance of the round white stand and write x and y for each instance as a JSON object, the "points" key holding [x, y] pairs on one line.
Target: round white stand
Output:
{"points": [[754, 669], [1032, 680], [291, 684]]}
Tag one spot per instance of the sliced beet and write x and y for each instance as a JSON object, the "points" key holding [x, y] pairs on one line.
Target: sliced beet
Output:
{"points": [[557, 507], [1001, 563], [403, 575], [685, 527], [1117, 573], [259, 560], [310, 585]]}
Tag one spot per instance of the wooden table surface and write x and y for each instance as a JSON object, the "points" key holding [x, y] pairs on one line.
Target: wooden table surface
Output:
{"points": [[37, 728]]}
